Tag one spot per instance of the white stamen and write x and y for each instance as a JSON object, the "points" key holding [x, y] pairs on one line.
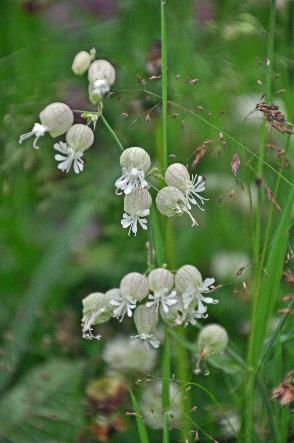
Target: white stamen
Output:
{"points": [[37, 131]]}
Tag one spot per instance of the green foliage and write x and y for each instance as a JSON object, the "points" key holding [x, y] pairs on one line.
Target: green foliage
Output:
{"points": [[44, 405]]}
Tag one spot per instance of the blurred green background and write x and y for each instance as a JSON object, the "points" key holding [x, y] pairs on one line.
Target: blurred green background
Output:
{"points": [[60, 234]]}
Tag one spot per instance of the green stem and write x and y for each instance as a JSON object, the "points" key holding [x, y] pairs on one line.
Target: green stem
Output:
{"points": [[164, 84], [252, 357], [113, 134]]}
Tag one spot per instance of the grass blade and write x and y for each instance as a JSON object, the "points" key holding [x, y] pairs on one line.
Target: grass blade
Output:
{"points": [[139, 421]]}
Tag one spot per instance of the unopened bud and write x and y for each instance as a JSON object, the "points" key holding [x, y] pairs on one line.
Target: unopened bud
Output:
{"points": [[213, 338], [81, 62], [134, 285], [80, 137]]}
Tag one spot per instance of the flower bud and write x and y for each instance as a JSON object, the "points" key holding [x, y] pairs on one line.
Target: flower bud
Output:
{"points": [[138, 200], [101, 69], [187, 277], [177, 175], [213, 338], [145, 320], [159, 279], [167, 200], [134, 285], [136, 158], [81, 62], [80, 137]]}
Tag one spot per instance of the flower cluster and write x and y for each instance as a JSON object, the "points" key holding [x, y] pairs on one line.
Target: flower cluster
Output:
{"points": [[57, 119], [181, 192], [176, 299]]}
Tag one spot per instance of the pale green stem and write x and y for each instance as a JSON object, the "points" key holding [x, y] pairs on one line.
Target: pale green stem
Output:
{"points": [[113, 134]]}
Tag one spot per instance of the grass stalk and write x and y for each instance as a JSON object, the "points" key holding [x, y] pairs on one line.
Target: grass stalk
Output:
{"points": [[258, 323], [143, 436]]}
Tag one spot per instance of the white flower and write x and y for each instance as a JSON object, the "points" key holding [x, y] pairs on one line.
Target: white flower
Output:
{"points": [[135, 163], [131, 221], [178, 175], [171, 201], [123, 305], [68, 157], [37, 131], [136, 206], [190, 284], [100, 87], [162, 298], [96, 310], [148, 340]]}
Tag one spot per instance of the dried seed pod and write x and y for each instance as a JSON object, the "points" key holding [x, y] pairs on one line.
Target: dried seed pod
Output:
{"points": [[145, 320], [134, 285], [81, 62], [187, 277], [177, 175], [159, 279], [168, 199], [213, 338], [80, 137], [101, 69], [136, 158]]}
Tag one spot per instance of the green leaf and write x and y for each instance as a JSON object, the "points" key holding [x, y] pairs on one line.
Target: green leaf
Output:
{"points": [[224, 362], [44, 406]]}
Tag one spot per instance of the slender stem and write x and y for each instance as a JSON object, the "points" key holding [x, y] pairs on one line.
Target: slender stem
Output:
{"points": [[164, 84], [252, 357], [166, 355], [113, 134]]}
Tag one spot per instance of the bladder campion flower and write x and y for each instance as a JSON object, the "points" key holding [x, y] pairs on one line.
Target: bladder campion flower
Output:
{"points": [[56, 119], [135, 162], [146, 322], [212, 338], [189, 283], [133, 288], [101, 76], [177, 175], [136, 207], [78, 139], [161, 282], [96, 310], [171, 201]]}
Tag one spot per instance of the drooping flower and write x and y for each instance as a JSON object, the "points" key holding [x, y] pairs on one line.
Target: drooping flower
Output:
{"points": [[171, 201], [189, 283], [177, 175], [96, 310], [101, 76], [212, 339], [133, 288], [161, 282], [136, 208], [55, 119], [135, 162], [78, 139], [146, 322]]}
